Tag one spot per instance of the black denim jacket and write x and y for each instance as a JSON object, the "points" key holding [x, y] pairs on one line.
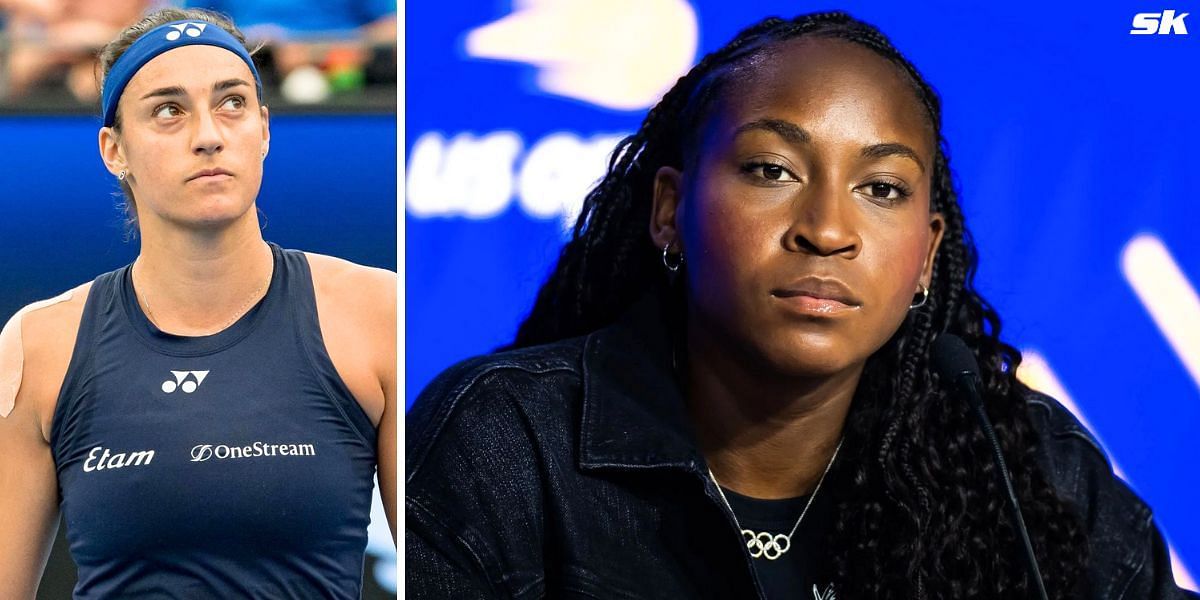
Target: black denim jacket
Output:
{"points": [[567, 470]]}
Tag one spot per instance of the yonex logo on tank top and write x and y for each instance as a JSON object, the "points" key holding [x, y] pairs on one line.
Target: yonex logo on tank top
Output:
{"points": [[188, 381], [203, 452], [100, 459], [192, 29]]}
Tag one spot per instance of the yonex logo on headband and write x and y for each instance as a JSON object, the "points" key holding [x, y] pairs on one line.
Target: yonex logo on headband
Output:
{"points": [[164, 38], [192, 29]]}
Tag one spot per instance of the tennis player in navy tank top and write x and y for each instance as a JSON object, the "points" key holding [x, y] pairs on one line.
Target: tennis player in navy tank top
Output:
{"points": [[210, 418]]}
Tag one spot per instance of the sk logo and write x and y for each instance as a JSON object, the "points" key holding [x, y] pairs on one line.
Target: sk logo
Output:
{"points": [[192, 29], [1164, 23], [187, 381]]}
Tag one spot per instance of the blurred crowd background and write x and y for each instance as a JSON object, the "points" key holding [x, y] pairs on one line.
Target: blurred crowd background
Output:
{"points": [[316, 54], [329, 74]]}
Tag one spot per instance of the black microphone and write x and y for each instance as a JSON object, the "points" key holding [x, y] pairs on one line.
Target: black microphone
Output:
{"points": [[956, 364]]}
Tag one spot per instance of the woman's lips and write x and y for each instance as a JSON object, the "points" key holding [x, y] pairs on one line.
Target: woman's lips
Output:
{"points": [[818, 296], [810, 305], [210, 175]]}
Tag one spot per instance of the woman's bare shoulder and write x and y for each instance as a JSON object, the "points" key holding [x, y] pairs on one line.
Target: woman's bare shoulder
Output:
{"points": [[339, 272], [356, 308], [368, 294], [35, 350]]}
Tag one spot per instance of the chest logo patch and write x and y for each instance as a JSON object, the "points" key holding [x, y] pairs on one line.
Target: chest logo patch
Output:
{"points": [[187, 381]]}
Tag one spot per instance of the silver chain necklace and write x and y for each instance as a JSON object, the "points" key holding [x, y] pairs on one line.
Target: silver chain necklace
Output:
{"points": [[764, 543]]}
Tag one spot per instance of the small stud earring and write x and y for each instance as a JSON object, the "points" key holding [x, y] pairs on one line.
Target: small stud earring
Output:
{"points": [[121, 175]]}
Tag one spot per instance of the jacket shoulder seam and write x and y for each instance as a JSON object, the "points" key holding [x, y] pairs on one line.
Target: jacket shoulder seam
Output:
{"points": [[1074, 430]]}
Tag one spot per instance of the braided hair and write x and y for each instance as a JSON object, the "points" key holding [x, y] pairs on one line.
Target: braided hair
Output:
{"points": [[919, 511]]}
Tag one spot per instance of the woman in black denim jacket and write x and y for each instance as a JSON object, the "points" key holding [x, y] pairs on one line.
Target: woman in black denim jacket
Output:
{"points": [[739, 402]]}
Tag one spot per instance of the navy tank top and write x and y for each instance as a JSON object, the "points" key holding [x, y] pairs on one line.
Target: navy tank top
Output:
{"points": [[234, 465]]}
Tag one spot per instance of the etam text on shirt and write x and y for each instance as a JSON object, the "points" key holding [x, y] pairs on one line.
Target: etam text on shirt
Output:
{"points": [[100, 459]]}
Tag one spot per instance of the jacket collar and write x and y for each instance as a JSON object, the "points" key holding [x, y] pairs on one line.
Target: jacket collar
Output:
{"points": [[634, 416]]}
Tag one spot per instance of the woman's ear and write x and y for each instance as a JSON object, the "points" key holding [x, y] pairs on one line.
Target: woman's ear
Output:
{"points": [[111, 153], [266, 131], [668, 185], [937, 227]]}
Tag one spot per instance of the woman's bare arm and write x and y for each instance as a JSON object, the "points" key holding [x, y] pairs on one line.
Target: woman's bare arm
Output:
{"points": [[28, 480]]}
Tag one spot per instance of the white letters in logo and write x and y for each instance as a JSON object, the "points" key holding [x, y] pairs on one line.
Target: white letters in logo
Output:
{"points": [[187, 381], [100, 459], [1164, 23], [203, 452], [192, 29]]}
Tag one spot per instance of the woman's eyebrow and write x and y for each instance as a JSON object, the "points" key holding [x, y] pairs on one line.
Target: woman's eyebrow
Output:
{"points": [[892, 149], [177, 90], [229, 83], [796, 134], [789, 131], [174, 90]]}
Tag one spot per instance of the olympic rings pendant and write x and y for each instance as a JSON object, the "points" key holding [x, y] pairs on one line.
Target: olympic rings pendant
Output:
{"points": [[763, 544]]}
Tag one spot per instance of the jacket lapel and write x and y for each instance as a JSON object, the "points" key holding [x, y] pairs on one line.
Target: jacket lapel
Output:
{"points": [[634, 416]]}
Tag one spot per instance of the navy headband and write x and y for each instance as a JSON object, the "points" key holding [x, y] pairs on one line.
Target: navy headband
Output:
{"points": [[166, 37]]}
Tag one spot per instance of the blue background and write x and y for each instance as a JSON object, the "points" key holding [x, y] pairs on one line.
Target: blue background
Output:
{"points": [[329, 186], [1069, 137]]}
